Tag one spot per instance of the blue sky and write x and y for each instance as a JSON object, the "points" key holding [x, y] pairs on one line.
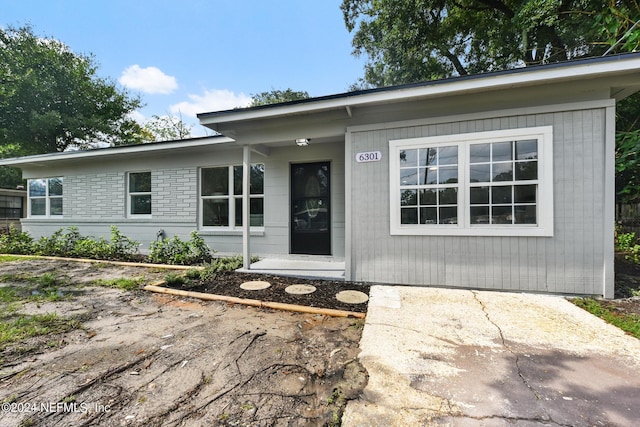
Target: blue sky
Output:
{"points": [[193, 56]]}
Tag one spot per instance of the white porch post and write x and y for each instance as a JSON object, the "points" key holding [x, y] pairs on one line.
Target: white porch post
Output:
{"points": [[246, 176]]}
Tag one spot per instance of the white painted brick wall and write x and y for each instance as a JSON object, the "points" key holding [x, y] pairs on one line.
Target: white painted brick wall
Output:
{"points": [[174, 193], [96, 195]]}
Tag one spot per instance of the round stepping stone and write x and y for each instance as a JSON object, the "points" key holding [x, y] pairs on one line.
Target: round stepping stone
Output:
{"points": [[300, 289], [352, 297], [255, 285]]}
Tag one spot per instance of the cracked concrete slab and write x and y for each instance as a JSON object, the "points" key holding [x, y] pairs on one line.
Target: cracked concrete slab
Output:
{"points": [[468, 358]]}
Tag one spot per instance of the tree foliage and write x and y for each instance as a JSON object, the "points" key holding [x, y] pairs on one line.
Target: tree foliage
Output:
{"points": [[416, 40], [52, 99], [275, 96], [419, 40], [166, 128]]}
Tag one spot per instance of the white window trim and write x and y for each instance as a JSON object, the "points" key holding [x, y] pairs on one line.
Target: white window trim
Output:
{"points": [[231, 198], [138, 193], [46, 197], [544, 205]]}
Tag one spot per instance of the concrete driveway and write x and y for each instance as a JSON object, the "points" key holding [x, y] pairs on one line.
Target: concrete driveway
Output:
{"points": [[471, 358]]}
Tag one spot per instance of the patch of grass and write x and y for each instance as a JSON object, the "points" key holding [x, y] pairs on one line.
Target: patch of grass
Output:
{"points": [[338, 400], [121, 283], [35, 289], [8, 294], [627, 322], [358, 324], [48, 280], [12, 278], [27, 326], [11, 258]]}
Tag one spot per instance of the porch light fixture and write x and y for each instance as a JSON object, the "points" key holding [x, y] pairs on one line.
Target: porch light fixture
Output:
{"points": [[302, 142]]}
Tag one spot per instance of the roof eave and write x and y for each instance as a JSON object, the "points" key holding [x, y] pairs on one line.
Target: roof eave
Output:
{"points": [[41, 159], [579, 70]]}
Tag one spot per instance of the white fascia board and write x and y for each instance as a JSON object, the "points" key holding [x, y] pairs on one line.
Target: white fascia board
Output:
{"points": [[526, 77], [41, 159]]}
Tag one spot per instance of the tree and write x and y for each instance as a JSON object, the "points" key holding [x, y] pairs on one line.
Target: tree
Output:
{"points": [[166, 128], [417, 40], [275, 96], [619, 27], [51, 99]]}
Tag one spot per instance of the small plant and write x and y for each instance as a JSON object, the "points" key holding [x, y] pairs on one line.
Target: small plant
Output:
{"points": [[628, 244], [178, 252], [247, 406], [69, 399], [122, 283], [220, 265], [121, 247], [47, 280], [175, 279], [192, 274], [16, 242]]}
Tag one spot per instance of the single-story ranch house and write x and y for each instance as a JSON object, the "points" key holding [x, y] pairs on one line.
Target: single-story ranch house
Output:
{"points": [[503, 180]]}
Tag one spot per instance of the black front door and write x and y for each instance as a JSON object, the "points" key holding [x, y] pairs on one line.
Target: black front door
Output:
{"points": [[310, 209]]}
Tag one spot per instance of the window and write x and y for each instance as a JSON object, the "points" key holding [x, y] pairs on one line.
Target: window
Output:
{"points": [[488, 183], [221, 196], [429, 185], [139, 199], [45, 197], [10, 207]]}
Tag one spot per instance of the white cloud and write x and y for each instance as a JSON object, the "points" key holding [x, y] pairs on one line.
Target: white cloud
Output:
{"points": [[211, 100], [148, 80], [138, 117]]}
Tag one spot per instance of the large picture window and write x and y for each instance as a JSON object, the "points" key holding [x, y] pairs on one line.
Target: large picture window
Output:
{"points": [[221, 196], [485, 183], [139, 189], [45, 197]]}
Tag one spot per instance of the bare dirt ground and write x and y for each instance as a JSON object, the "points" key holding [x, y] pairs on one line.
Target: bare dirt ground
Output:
{"points": [[147, 359]]}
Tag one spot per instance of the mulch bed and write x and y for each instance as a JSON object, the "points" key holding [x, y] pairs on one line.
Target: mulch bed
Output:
{"points": [[324, 297]]}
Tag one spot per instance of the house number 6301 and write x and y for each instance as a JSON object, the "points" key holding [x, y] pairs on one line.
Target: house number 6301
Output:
{"points": [[369, 156]]}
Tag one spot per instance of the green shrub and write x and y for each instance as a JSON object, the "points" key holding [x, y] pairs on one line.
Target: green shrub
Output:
{"points": [[628, 244], [220, 265], [121, 247], [178, 252], [175, 279], [72, 244], [192, 273], [59, 243], [16, 242]]}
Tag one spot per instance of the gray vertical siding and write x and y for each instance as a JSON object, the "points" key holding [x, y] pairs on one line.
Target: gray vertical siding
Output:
{"points": [[569, 262]]}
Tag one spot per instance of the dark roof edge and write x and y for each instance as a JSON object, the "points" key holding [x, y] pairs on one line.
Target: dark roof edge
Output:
{"points": [[532, 68], [150, 146]]}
